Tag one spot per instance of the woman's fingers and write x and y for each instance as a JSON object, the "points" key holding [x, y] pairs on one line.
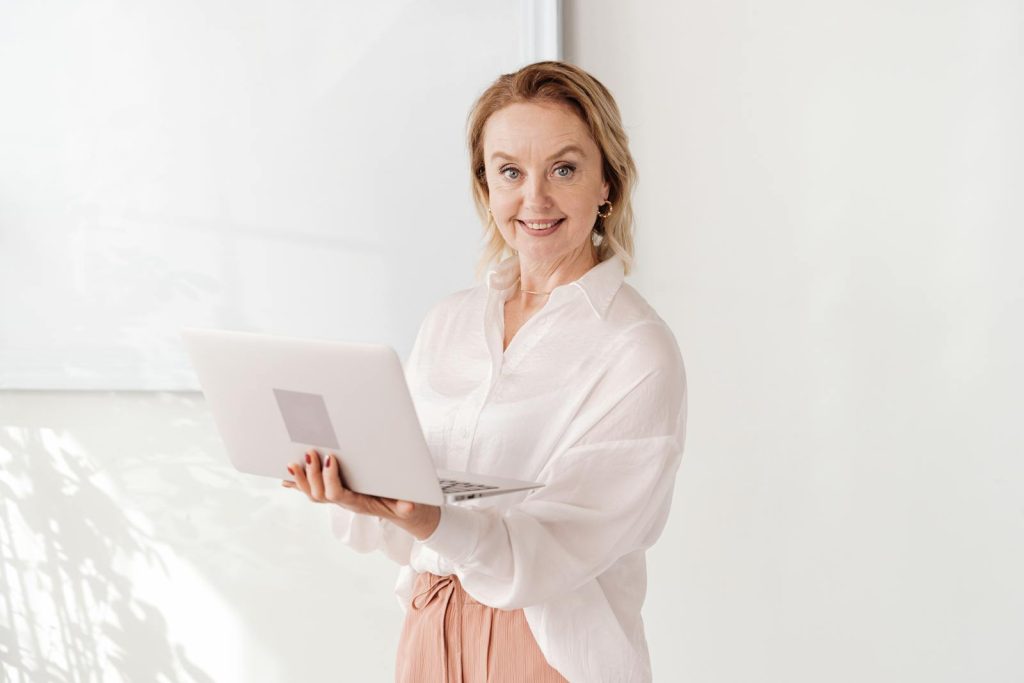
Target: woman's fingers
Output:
{"points": [[322, 483], [336, 492], [334, 487], [298, 471], [314, 475]]}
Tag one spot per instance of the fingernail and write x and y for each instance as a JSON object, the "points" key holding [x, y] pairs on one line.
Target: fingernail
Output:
{"points": [[309, 460], [327, 464], [291, 471]]}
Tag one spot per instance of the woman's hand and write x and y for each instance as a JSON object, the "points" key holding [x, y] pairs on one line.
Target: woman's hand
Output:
{"points": [[322, 483]]}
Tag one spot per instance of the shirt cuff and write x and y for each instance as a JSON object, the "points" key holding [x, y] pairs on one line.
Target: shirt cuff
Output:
{"points": [[361, 532], [456, 535]]}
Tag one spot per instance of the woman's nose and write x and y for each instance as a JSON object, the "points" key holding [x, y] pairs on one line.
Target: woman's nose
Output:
{"points": [[537, 191]]}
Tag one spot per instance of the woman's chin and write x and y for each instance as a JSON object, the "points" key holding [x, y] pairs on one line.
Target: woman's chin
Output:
{"points": [[530, 251]]}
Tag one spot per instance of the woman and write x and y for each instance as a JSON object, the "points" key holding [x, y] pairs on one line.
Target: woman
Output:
{"points": [[552, 370]]}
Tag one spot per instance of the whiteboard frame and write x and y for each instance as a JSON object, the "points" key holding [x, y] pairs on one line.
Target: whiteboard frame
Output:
{"points": [[541, 31]]}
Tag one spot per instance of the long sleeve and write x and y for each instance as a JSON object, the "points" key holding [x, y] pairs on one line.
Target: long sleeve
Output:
{"points": [[366, 533], [607, 494]]}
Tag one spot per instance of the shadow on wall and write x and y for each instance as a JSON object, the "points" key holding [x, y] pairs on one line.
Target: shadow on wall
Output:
{"points": [[131, 549], [68, 610]]}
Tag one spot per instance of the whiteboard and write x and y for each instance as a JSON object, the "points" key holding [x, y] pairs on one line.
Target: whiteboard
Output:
{"points": [[279, 167]]}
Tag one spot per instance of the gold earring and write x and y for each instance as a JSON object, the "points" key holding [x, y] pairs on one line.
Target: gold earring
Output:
{"points": [[610, 207]]}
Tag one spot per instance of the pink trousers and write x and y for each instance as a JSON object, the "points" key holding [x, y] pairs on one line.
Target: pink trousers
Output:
{"points": [[448, 637]]}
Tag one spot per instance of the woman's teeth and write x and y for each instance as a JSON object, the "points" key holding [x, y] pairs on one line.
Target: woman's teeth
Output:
{"points": [[535, 225]]}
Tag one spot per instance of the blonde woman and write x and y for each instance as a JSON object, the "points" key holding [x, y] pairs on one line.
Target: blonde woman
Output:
{"points": [[552, 369]]}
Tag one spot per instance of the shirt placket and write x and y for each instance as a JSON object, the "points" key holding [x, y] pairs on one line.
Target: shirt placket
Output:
{"points": [[467, 416], [464, 427]]}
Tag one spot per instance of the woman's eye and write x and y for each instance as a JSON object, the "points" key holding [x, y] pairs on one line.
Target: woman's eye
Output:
{"points": [[510, 173], [568, 171]]}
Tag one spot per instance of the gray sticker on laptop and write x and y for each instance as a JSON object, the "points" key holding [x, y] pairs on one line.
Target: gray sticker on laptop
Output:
{"points": [[305, 417]]}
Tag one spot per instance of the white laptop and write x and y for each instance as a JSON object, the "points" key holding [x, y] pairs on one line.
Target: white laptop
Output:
{"points": [[273, 398]]}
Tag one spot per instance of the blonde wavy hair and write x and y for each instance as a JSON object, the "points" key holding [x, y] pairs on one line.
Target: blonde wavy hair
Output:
{"points": [[558, 82]]}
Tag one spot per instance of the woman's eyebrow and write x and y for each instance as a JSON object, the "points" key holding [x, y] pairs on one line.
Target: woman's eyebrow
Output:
{"points": [[565, 150]]}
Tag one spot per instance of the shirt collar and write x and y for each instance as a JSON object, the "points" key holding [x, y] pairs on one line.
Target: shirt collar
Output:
{"points": [[502, 276], [600, 284]]}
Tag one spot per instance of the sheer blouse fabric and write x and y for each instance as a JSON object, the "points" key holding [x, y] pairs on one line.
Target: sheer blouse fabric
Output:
{"points": [[589, 398]]}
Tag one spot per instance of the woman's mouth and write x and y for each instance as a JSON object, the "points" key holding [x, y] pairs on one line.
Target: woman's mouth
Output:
{"points": [[540, 227]]}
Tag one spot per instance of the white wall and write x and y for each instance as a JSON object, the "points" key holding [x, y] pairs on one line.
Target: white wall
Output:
{"points": [[830, 217]]}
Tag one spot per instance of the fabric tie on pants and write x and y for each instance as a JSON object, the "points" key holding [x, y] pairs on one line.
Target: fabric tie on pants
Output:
{"points": [[433, 589], [449, 637], [442, 590]]}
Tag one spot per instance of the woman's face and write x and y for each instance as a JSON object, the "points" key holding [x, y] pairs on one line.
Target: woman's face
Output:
{"points": [[544, 176]]}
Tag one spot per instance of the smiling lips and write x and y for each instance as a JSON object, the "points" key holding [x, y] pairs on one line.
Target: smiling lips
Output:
{"points": [[541, 226]]}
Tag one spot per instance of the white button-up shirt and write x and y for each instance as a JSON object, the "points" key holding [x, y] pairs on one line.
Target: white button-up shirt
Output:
{"points": [[590, 399]]}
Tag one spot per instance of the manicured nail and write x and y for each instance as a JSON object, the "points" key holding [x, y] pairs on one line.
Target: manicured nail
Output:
{"points": [[291, 471], [309, 460], [327, 463]]}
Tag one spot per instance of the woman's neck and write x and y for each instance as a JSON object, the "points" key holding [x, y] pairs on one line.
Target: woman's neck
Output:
{"points": [[537, 280]]}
